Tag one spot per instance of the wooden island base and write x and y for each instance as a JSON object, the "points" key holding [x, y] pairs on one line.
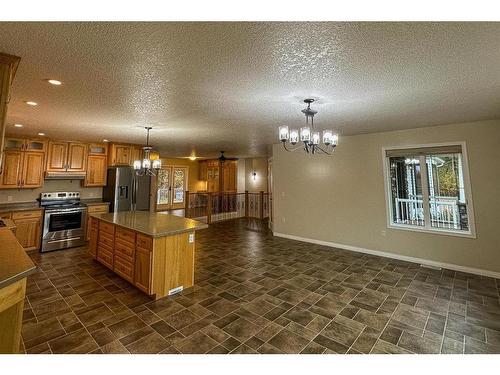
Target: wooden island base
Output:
{"points": [[157, 265]]}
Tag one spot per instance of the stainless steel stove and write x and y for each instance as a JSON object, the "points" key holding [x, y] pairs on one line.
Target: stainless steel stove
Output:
{"points": [[64, 220]]}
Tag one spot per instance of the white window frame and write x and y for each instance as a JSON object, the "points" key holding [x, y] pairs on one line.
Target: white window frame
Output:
{"points": [[427, 228]]}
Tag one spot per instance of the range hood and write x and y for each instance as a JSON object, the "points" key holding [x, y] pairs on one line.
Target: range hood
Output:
{"points": [[64, 175]]}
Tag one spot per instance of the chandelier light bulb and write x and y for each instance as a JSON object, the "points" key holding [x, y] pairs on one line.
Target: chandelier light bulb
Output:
{"points": [[294, 136], [315, 138], [283, 133], [335, 139], [305, 134], [146, 164], [157, 164], [137, 165], [327, 137]]}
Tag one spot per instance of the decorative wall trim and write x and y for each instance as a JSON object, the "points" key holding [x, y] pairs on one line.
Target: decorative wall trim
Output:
{"points": [[426, 262]]}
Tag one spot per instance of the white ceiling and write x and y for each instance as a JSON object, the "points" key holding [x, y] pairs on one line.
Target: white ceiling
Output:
{"points": [[206, 87]]}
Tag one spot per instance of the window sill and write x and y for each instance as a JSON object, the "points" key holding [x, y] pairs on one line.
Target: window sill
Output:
{"points": [[445, 232]]}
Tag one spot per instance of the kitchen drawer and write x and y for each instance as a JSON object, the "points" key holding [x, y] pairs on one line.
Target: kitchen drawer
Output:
{"points": [[124, 268], [105, 256], [106, 239], [97, 209], [26, 214], [125, 235], [125, 250], [106, 227], [144, 242]]}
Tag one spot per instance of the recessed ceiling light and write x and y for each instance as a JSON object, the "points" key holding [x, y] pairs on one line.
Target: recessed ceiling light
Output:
{"points": [[105, 140], [41, 134], [18, 125], [31, 103], [54, 82]]}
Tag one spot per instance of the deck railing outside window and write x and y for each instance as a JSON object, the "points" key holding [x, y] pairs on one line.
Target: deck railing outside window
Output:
{"points": [[444, 212], [224, 206]]}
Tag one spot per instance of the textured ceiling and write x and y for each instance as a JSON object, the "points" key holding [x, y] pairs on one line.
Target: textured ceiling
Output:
{"points": [[211, 86]]}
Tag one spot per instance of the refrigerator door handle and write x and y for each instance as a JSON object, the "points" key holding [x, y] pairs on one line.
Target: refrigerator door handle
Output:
{"points": [[134, 193]]}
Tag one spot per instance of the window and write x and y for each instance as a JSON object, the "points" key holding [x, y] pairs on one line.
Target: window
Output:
{"points": [[428, 189]]}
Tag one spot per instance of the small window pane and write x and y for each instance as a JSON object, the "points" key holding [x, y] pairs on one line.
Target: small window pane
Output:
{"points": [[406, 190], [448, 208], [163, 194], [179, 176]]}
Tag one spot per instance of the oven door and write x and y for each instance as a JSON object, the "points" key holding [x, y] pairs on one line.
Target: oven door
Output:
{"points": [[64, 224]]}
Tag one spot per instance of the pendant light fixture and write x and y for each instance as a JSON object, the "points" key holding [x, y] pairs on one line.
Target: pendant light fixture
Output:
{"points": [[310, 138], [147, 166]]}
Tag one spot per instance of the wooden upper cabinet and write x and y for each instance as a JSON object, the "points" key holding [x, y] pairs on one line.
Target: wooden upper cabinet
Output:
{"points": [[14, 144], [202, 170], [56, 158], [136, 154], [11, 170], [77, 156], [96, 171], [98, 149], [119, 154], [32, 171], [66, 156], [229, 176], [23, 163]]}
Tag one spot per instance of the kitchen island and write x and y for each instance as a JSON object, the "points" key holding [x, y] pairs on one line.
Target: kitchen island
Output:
{"points": [[153, 251], [15, 266]]}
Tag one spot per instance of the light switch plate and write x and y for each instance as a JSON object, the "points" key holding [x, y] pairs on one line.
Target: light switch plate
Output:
{"points": [[191, 238]]}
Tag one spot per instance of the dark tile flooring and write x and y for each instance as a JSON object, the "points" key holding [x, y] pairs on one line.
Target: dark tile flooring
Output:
{"points": [[256, 293]]}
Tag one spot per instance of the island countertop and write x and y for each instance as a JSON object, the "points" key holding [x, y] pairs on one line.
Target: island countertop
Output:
{"points": [[15, 264], [157, 224]]}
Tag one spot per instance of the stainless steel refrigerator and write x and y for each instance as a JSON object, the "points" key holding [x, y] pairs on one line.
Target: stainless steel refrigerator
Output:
{"points": [[125, 191]]}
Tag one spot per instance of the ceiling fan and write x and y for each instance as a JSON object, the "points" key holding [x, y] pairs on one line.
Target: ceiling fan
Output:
{"points": [[222, 158]]}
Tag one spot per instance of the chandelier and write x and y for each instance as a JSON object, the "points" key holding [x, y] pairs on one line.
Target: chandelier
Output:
{"points": [[147, 166], [308, 136]]}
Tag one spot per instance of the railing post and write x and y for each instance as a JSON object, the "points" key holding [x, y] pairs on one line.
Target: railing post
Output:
{"points": [[246, 203], [209, 208], [261, 215], [186, 203]]}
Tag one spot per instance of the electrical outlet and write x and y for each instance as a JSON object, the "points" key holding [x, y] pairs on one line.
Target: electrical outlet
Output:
{"points": [[175, 290], [383, 232], [191, 238], [9, 198], [283, 220]]}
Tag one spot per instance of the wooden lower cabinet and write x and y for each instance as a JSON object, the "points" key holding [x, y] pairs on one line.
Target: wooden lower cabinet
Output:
{"points": [[143, 269], [28, 228], [94, 209], [92, 233], [153, 265]]}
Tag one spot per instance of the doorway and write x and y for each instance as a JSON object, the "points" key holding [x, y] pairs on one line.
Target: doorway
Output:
{"points": [[172, 182]]}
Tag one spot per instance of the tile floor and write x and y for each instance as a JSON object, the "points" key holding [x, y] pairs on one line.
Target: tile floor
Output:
{"points": [[256, 293]]}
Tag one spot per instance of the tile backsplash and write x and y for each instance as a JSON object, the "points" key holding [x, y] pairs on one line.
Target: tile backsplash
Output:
{"points": [[27, 195]]}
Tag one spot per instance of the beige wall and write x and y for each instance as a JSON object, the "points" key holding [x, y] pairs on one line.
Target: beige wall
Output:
{"points": [[27, 195], [341, 199], [194, 184], [259, 165]]}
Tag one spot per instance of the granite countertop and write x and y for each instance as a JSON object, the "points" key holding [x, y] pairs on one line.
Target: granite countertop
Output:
{"points": [[15, 264], [93, 201], [158, 224], [20, 206]]}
